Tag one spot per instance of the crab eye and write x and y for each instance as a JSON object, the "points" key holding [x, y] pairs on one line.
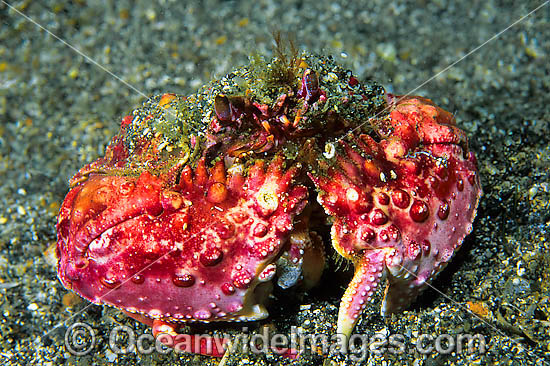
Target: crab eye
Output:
{"points": [[311, 83], [222, 107]]}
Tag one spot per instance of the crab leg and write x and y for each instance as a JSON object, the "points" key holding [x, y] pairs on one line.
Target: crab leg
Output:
{"points": [[369, 270], [197, 344], [206, 346]]}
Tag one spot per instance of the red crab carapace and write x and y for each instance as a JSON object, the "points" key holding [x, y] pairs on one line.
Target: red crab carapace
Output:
{"points": [[202, 203]]}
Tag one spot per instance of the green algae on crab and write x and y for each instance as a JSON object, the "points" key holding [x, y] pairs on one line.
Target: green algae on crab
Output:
{"points": [[169, 131]]}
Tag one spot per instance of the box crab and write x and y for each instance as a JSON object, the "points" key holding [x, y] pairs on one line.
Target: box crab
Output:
{"points": [[202, 203]]}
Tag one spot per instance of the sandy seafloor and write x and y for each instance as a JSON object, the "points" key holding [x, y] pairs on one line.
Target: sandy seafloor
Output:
{"points": [[58, 112]]}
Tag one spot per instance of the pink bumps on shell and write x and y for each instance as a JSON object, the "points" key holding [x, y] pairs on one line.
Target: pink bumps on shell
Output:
{"points": [[172, 226], [418, 216], [175, 241]]}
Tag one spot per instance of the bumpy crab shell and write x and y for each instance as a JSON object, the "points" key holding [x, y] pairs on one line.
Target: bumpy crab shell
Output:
{"points": [[199, 203]]}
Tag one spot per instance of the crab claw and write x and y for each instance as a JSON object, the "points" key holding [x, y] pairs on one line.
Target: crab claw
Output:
{"points": [[208, 244], [401, 206], [95, 207], [414, 120]]}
